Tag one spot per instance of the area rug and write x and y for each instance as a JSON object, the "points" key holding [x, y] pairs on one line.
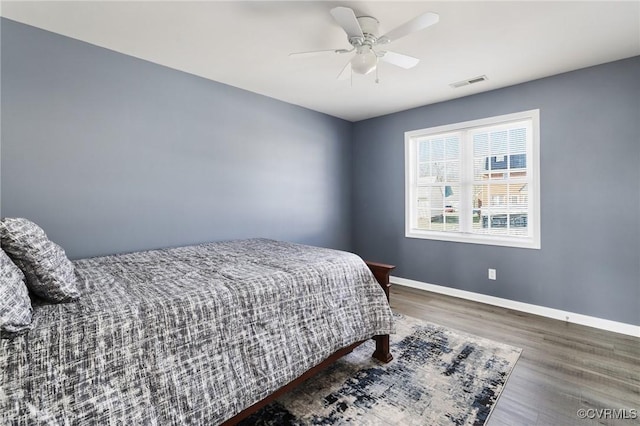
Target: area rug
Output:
{"points": [[438, 376]]}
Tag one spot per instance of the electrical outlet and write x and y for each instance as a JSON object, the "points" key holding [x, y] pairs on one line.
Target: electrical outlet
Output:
{"points": [[492, 274]]}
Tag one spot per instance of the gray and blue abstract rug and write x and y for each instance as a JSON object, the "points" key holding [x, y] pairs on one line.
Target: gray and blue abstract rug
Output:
{"points": [[438, 376]]}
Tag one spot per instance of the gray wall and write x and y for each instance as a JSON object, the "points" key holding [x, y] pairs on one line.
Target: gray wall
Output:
{"points": [[109, 153], [590, 196]]}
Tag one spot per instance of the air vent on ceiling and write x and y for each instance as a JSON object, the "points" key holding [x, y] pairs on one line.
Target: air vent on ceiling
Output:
{"points": [[469, 81]]}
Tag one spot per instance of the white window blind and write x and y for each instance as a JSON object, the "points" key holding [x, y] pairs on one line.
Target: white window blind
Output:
{"points": [[475, 182]]}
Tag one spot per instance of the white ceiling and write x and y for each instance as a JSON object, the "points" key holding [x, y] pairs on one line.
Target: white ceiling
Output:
{"points": [[246, 44]]}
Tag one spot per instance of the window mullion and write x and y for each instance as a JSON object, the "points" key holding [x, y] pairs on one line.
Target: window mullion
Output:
{"points": [[414, 159], [466, 179]]}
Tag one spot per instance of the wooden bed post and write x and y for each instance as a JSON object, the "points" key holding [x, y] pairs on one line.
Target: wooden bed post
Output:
{"points": [[382, 271]]}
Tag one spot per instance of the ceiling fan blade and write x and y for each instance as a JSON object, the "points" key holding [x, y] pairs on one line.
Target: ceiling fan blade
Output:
{"points": [[416, 24], [400, 60], [313, 53], [347, 20], [346, 72]]}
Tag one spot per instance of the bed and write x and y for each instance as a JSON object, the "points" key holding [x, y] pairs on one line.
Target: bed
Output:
{"points": [[190, 335]]}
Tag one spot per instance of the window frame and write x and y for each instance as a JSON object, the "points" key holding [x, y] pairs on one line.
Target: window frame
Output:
{"points": [[466, 129]]}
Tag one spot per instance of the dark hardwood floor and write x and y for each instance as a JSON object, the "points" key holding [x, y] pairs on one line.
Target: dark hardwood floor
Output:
{"points": [[563, 367]]}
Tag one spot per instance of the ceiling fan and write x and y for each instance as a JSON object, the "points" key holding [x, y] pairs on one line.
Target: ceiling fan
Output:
{"points": [[362, 33]]}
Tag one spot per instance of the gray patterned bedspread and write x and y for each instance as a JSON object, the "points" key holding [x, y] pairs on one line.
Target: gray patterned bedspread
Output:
{"points": [[190, 335]]}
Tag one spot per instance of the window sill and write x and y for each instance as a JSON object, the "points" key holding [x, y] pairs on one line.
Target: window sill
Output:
{"points": [[491, 240]]}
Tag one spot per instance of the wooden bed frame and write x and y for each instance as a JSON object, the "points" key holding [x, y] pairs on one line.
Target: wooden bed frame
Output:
{"points": [[382, 353]]}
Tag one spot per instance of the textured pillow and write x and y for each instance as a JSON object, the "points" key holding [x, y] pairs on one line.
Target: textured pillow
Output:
{"points": [[15, 305], [50, 274]]}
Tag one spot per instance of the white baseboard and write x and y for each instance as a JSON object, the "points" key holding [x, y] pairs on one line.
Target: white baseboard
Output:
{"points": [[589, 321]]}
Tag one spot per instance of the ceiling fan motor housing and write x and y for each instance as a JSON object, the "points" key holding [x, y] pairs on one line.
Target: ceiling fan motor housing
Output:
{"points": [[369, 26]]}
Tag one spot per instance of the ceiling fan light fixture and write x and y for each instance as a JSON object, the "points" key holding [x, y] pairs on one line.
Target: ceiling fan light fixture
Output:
{"points": [[364, 61]]}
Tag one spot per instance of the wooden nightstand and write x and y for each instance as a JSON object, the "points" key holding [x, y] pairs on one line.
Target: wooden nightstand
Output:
{"points": [[382, 272]]}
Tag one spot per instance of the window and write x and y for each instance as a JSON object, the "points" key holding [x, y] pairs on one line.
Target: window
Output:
{"points": [[475, 182]]}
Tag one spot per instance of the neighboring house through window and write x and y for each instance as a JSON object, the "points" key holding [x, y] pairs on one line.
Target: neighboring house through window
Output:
{"points": [[475, 182]]}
